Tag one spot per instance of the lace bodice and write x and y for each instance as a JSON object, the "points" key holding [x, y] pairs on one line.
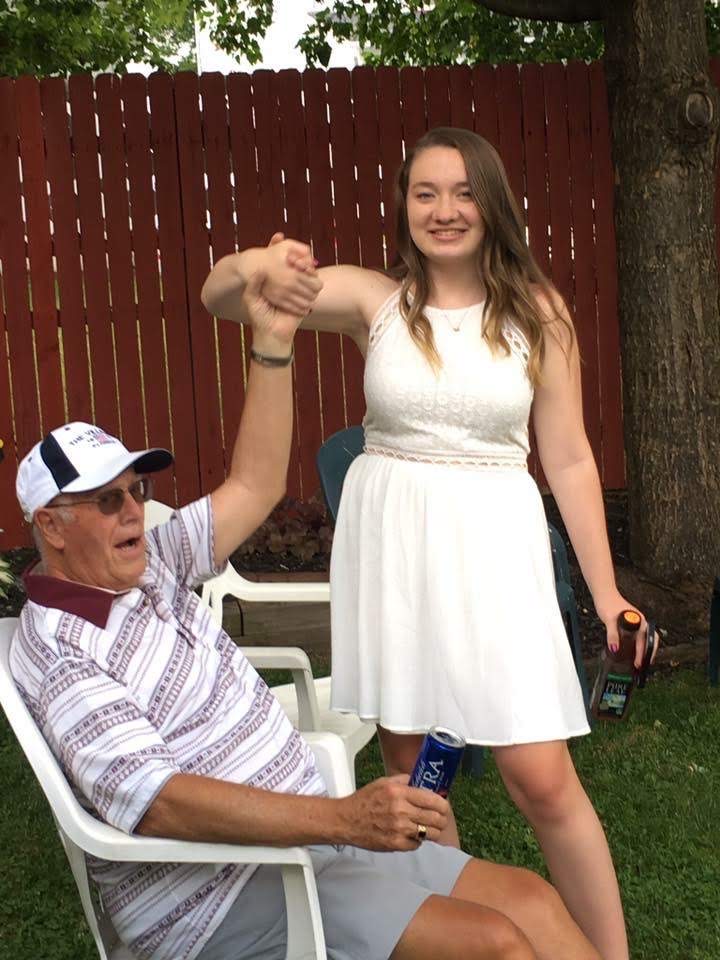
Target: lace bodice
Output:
{"points": [[473, 411]]}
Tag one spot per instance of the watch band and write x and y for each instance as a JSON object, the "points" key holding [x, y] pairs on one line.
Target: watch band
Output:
{"points": [[267, 361]]}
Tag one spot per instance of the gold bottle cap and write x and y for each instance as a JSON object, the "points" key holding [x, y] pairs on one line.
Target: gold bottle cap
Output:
{"points": [[629, 620]]}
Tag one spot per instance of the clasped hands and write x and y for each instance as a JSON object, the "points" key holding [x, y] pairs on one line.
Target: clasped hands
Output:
{"points": [[281, 293]]}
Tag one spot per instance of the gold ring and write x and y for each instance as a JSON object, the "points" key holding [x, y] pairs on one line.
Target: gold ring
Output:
{"points": [[421, 832]]}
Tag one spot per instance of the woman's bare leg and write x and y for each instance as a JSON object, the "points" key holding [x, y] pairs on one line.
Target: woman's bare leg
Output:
{"points": [[495, 912], [541, 779], [399, 753], [531, 903], [460, 930]]}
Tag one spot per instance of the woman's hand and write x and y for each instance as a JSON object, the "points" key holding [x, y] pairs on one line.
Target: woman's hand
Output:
{"points": [[273, 328], [609, 609], [291, 280]]}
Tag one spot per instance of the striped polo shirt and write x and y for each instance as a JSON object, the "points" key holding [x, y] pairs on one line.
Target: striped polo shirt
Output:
{"points": [[132, 688]]}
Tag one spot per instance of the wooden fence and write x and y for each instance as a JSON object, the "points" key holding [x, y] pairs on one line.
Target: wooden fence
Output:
{"points": [[119, 193]]}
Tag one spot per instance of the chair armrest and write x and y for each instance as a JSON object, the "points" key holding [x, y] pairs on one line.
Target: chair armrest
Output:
{"points": [[102, 840], [277, 658], [231, 583], [305, 931], [107, 842], [332, 761], [298, 592], [295, 660]]}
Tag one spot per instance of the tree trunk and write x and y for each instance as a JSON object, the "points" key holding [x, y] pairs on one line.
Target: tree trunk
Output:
{"points": [[664, 113]]}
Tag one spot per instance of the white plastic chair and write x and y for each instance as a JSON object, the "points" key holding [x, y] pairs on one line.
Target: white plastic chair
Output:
{"points": [[232, 584], [306, 700], [80, 832]]}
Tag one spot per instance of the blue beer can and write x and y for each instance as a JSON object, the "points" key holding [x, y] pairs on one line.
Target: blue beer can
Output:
{"points": [[438, 760]]}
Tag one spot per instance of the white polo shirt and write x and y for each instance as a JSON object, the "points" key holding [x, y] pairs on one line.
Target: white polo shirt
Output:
{"points": [[132, 688]]}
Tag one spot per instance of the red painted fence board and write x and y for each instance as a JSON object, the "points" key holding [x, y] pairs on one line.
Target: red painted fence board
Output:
{"points": [[98, 310], [322, 229], [207, 425], [293, 154], [173, 288], [66, 248], [119, 253], [37, 220], [147, 273], [461, 97], [561, 263], [347, 233], [390, 144], [16, 282], [220, 202], [485, 100], [612, 463], [584, 247], [119, 194]]}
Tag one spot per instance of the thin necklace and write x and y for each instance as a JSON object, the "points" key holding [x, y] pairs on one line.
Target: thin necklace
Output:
{"points": [[455, 324]]}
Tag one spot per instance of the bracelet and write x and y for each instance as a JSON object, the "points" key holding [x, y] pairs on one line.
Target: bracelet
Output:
{"points": [[267, 361]]}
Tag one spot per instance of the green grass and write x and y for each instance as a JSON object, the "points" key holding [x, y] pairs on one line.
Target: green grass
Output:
{"points": [[655, 782]]}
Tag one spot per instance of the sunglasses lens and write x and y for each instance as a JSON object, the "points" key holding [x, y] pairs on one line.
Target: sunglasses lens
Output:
{"points": [[111, 501]]}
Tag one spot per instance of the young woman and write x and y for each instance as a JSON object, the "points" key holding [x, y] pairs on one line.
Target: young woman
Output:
{"points": [[443, 596]]}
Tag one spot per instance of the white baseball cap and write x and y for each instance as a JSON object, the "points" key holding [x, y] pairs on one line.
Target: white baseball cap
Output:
{"points": [[78, 457]]}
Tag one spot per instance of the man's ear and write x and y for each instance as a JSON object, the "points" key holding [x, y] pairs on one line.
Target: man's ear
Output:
{"points": [[50, 527]]}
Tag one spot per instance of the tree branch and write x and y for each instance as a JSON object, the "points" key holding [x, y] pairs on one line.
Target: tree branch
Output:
{"points": [[566, 11]]}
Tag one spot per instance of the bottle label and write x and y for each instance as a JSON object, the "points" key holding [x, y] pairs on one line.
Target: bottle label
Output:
{"points": [[431, 775], [615, 694]]}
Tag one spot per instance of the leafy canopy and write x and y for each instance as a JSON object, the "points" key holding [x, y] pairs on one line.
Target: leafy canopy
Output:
{"points": [[418, 32], [400, 32], [51, 37], [57, 37]]}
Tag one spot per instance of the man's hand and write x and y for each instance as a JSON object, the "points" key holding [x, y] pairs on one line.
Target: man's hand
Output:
{"points": [[386, 813], [292, 283], [273, 328]]}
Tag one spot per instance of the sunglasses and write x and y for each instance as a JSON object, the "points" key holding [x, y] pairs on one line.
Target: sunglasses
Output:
{"points": [[111, 501]]}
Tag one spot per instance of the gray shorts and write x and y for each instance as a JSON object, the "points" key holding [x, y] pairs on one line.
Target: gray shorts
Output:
{"points": [[366, 899]]}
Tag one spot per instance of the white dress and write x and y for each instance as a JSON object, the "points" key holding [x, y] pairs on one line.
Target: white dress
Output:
{"points": [[443, 597]]}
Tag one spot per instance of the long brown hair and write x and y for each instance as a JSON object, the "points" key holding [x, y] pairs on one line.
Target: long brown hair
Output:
{"points": [[505, 264]]}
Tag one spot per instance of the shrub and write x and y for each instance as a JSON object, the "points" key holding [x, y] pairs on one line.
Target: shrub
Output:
{"points": [[294, 528], [6, 577]]}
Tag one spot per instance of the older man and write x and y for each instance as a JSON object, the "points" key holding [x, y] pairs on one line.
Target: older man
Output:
{"points": [[165, 729]]}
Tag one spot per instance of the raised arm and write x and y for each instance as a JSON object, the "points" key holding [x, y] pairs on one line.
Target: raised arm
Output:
{"points": [[258, 470], [569, 466], [292, 288], [339, 299]]}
